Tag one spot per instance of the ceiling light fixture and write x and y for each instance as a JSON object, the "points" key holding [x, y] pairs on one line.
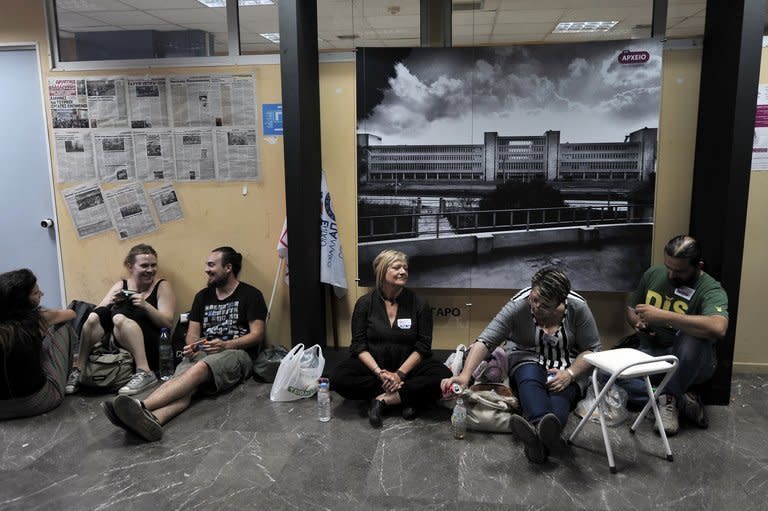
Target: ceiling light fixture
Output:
{"points": [[470, 5], [584, 26], [241, 3]]}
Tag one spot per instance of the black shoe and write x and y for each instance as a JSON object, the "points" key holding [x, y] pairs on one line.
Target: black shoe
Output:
{"points": [[526, 433], [548, 430], [375, 411], [137, 418], [109, 410], [409, 413]]}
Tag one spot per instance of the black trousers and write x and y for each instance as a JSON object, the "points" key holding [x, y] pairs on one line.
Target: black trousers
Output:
{"points": [[353, 380]]}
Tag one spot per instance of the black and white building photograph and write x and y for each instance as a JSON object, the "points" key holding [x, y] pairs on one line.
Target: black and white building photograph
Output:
{"points": [[486, 164]]}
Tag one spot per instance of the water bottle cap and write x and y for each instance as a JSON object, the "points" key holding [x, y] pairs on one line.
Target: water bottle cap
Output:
{"points": [[323, 384], [165, 330]]}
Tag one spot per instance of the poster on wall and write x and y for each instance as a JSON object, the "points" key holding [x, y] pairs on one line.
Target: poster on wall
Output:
{"points": [[760, 139], [129, 210], [87, 210], [272, 119], [74, 156], [486, 164]]}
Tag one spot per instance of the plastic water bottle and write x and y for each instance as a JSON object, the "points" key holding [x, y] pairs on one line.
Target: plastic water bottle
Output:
{"points": [[323, 401], [459, 417], [166, 355]]}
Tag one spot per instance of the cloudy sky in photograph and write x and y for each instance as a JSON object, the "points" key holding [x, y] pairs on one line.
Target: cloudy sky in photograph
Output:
{"points": [[452, 96]]}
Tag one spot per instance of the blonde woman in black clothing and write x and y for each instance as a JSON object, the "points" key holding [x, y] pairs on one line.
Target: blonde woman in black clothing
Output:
{"points": [[391, 348]]}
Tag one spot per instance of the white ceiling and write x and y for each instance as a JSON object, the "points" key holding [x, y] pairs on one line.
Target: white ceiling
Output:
{"points": [[387, 22]]}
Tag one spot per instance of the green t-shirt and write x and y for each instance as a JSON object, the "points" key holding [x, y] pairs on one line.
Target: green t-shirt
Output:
{"points": [[706, 298]]}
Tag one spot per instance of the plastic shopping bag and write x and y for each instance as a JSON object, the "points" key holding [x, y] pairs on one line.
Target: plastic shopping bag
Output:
{"points": [[455, 361], [298, 374], [615, 408]]}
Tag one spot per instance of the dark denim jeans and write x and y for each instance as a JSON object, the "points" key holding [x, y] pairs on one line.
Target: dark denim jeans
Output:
{"points": [[697, 364], [536, 401]]}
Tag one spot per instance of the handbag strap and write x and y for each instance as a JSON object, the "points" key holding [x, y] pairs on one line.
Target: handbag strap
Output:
{"points": [[478, 399], [503, 403]]}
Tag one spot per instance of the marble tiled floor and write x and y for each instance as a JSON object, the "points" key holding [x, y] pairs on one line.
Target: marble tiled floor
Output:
{"points": [[241, 451]]}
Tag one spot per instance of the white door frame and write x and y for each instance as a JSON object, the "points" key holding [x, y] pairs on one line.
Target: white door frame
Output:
{"points": [[44, 119]]}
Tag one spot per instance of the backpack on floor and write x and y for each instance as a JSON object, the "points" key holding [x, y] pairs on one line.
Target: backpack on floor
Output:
{"points": [[82, 310], [108, 367], [267, 363]]}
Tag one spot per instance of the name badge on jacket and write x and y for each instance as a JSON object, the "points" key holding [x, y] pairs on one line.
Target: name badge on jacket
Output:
{"points": [[684, 292], [404, 323]]}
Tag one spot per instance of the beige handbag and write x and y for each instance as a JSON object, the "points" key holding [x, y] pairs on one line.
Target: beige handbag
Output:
{"points": [[490, 407]]}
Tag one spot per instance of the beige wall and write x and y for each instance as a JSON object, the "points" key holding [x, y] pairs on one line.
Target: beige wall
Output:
{"points": [[751, 350], [218, 213]]}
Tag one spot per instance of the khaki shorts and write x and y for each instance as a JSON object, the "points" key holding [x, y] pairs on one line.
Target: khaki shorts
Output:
{"points": [[228, 368]]}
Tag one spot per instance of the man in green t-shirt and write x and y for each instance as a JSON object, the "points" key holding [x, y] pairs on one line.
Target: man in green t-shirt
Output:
{"points": [[679, 309]]}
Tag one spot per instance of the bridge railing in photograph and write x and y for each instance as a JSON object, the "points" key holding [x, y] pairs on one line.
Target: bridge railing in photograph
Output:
{"points": [[452, 223]]}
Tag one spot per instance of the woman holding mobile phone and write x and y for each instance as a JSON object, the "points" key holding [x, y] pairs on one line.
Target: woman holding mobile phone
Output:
{"points": [[134, 310]]}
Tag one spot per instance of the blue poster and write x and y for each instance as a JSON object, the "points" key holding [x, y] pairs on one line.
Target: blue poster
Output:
{"points": [[272, 118]]}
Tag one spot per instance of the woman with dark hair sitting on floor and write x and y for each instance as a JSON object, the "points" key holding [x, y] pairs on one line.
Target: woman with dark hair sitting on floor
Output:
{"points": [[34, 348], [391, 348], [551, 328]]}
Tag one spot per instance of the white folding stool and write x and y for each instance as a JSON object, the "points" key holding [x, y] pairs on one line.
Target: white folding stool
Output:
{"points": [[624, 363]]}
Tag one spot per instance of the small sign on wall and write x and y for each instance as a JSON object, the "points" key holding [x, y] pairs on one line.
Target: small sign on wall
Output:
{"points": [[272, 119]]}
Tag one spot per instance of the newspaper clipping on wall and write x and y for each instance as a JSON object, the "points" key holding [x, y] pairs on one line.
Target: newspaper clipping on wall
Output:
{"points": [[87, 209], [238, 100], [74, 156], [106, 103], [129, 210], [148, 103], [195, 158], [69, 103], [213, 100], [237, 153], [154, 155], [166, 202], [113, 152], [157, 128]]}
